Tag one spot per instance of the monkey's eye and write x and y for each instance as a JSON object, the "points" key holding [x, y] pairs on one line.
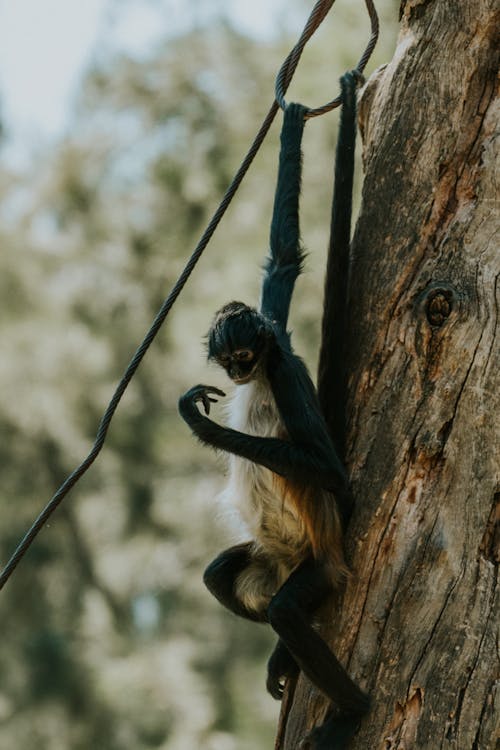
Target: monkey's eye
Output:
{"points": [[224, 359], [244, 355]]}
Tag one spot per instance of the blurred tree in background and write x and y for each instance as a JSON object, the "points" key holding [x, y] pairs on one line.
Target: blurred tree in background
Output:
{"points": [[108, 637]]}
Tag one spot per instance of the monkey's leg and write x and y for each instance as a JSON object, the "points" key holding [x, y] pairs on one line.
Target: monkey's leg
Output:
{"points": [[280, 667], [289, 614], [238, 579], [227, 578]]}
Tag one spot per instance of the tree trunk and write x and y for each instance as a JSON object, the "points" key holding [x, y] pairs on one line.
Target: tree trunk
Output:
{"points": [[418, 623]]}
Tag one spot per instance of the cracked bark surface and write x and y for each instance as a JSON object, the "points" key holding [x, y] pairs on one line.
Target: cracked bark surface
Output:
{"points": [[418, 625]]}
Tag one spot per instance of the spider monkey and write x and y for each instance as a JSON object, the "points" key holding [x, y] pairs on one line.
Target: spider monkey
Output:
{"points": [[285, 475]]}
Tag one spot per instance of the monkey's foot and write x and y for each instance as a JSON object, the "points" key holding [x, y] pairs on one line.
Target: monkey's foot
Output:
{"points": [[280, 667]]}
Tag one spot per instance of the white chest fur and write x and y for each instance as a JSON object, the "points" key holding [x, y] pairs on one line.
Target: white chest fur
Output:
{"points": [[253, 491]]}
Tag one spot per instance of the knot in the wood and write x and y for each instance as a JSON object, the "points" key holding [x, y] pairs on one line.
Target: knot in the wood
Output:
{"points": [[438, 306]]}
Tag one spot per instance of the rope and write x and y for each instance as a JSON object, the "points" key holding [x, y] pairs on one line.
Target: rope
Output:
{"points": [[287, 70], [285, 75]]}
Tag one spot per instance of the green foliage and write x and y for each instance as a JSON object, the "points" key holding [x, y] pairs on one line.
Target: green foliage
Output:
{"points": [[108, 637]]}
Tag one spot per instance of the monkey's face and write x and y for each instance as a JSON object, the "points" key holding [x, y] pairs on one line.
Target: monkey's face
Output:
{"points": [[240, 364], [238, 340]]}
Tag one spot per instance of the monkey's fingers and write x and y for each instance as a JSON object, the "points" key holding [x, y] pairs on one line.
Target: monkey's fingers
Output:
{"points": [[213, 389]]}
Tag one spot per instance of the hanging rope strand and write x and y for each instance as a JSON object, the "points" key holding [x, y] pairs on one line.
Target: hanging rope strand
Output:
{"points": [[287, 70]]}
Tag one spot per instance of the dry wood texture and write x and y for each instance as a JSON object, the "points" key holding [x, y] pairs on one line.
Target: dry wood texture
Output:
{"points": [[418, 626]]}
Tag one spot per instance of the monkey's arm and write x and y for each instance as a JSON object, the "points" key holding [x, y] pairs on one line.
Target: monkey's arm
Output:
{"points": [[285, 257], [312, 463]]}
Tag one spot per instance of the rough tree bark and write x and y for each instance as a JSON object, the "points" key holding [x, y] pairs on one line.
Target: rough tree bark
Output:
{"points": [[418, 625]]}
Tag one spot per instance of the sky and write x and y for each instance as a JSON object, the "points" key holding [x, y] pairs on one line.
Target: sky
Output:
{"points": [[45, 46]]}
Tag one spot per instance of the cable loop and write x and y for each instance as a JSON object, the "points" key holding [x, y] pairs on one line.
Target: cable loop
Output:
{"points": [[285, 73]]}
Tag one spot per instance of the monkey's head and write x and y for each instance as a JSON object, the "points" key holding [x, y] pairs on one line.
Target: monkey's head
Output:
{"points": [[238, 340]]}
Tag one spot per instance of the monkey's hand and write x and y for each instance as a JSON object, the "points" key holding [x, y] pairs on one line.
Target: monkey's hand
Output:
{"points": [[198, 393]]}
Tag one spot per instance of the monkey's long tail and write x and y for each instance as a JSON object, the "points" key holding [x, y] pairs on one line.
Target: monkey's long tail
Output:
{"points": [[332, 373]]}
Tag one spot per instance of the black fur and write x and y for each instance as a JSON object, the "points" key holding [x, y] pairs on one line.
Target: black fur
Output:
{"points": [[219, 579], [286, 256], [305, 456]]}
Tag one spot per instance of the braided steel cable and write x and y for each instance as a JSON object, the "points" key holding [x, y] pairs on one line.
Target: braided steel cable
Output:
{"points": [[316, 17], [318, 14]]}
